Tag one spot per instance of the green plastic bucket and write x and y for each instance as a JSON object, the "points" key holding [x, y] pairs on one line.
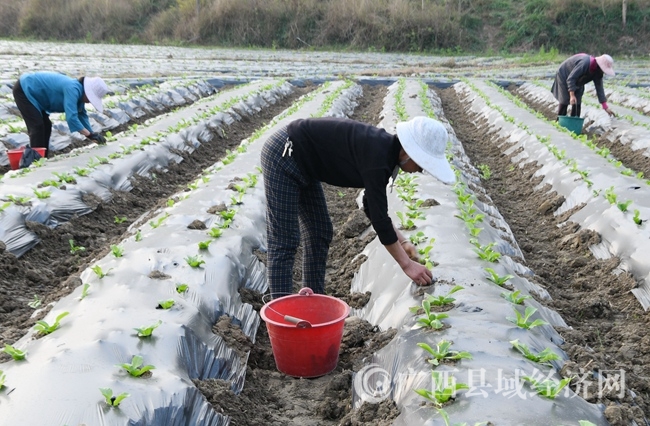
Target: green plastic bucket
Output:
{"points": [[574, 124]]}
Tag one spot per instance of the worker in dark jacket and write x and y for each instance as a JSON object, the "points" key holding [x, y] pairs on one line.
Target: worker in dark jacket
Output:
{"points": [[573, 74], [41, 93], [344, 153]]}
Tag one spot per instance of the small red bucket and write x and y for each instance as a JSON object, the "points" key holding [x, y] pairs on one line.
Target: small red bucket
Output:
{"points": [[16, 154], [305, 331]]}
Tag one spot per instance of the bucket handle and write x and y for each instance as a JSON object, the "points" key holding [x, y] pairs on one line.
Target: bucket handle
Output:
{"points": [[306, 291], [300, 323]]}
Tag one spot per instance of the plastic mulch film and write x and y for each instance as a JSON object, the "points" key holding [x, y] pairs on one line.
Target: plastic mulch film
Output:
{"points": [[478, 322], [65, 204], [66, 369]]}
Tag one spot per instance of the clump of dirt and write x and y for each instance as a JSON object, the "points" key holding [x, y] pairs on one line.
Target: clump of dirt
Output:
{"points": [[593, 296]]}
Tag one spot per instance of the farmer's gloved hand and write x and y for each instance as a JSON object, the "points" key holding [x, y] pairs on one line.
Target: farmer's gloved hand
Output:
{"points": [[97, 138], [610, 112]]}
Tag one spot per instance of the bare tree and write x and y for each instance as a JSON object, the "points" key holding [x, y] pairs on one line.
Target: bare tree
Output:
{"points": [[624, 13]]}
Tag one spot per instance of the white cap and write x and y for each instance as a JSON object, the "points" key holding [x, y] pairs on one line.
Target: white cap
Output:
{"points": [[95, 89], [606, 63], [425, 140]]}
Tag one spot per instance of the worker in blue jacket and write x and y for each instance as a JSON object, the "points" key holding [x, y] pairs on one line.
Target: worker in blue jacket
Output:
{"points": [[39, 94]]}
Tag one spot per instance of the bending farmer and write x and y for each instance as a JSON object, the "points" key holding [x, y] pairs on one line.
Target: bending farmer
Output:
{"points": [[573, 74], [39, 94], [344, 153]]}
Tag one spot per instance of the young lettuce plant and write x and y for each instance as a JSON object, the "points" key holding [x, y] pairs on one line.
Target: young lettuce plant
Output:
{"points": [[146, 331], [194, 261], [204, 245], [523, 321], [544, 357], [166, 304], [431, 319], [42, 194], [3, 377], [74, 249], [514, 297], [44, 328], [443, 300], [135, 368], [84, 291], [215, 232], [418, 238], [405, 222], [496, 278], [486, 253], [547, 388], [16, 354], [117, 250], [637, 217], [99, 272], [181, 288], [442, 352], [444, 388], [35, 303]]}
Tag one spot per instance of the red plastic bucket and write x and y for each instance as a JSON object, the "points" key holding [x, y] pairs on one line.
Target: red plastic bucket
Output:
{"points": [[16, 154], [305, 352]]}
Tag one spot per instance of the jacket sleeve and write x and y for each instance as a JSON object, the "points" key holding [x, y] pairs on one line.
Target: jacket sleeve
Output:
{"points": [[600, 91], [375, 206], [71, 96]]}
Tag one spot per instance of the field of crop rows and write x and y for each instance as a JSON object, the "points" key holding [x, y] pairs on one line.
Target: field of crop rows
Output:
{"points": [[132, 273]]}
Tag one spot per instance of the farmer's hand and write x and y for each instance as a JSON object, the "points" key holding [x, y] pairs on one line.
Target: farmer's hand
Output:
{"points": [[418, 273], [410, 250], [97, 138], [610, 112], [572, 98]]}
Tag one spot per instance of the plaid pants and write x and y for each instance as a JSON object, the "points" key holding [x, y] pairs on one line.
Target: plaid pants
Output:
{"points": [[291, 200]]}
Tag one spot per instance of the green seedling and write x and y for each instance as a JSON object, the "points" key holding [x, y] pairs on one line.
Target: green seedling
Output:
{"points": [[3, 377], [547, 388], [514, 297], [623, 206], [155, 224], [138, 235], [99, 272], [182, 288], [16, 354], [417, 238], [544, 357], [442, 352], [237, 199], [35, 303], [444, 388], [405, 222], [215, 232], [446, 299], [115, 155], [415, 215], [84, 291], [610, 195], [415, 205], [225, 224], [431, 320], [486, 173], [42, 194], [146, 331], [135, 368], [228, 214], [203, 245], [50, 182], [120, 219], [113, 401], [637, 217], [585, 423], [524, 321], [65, 177], [39, 163], [166, 304], [4, 206], [170, 202], [486, 253], [74, 249], [101, 160], [194, 261], [45, 328], [193, 185], [18, 200], [496, 278], [445, 418], [117, 250], [82, 171]]}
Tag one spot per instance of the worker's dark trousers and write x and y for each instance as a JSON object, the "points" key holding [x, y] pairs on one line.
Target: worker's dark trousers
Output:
{"points": [[38, 123], [295, 210]]}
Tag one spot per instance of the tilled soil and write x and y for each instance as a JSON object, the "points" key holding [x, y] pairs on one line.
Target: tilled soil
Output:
{"points": [[607, 324]]}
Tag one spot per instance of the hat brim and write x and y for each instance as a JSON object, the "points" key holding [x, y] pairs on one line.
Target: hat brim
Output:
{"points": [[437, 167], [94, 99], [606, 67]]}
